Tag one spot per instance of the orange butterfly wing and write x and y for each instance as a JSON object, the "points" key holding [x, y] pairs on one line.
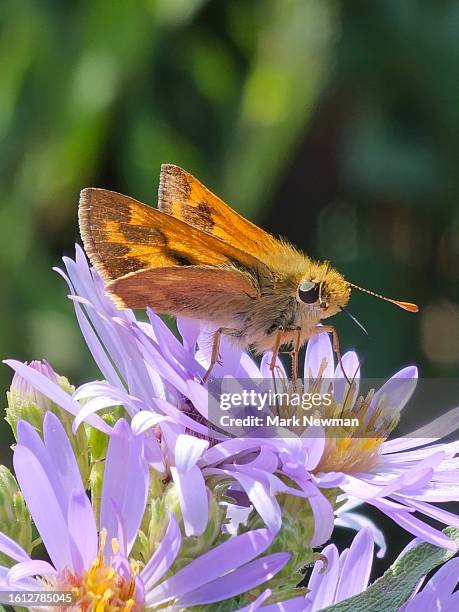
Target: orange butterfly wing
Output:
{"points": [[181, 195], [122, 235], [193, 291]]}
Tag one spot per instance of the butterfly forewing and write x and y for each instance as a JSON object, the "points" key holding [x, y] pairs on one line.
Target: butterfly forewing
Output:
{"points": [[122, 235], [184, 197]]}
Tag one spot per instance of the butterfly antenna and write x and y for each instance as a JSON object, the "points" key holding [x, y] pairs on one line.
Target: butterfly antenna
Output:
{"points": [[356, 321], [405, 305]]}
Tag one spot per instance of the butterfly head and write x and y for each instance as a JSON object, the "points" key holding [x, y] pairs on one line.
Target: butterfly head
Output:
{"points": [[323, 288]]}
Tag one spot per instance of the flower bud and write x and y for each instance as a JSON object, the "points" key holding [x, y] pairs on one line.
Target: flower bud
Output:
{"points": [[28, 404], [154, 521], [161, 509], [163, 502], [298, 526], [96, 478], [25, 402], [193, 547], [98, 440], [15, 519]]}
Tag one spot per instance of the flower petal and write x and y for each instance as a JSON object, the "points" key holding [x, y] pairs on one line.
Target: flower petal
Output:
{"points": [[356, 569], [26, 569], [95, 346], [439, 514], [29, 437], [187, 452], [177, 416], [323, 581], [189, 330], [263, 501], [239, 581], [229, 448], [213, 564], [436, 594], [256, 605], [356, 521], [82, 530], [164, 556], [126, 481], [417, 527], [351, 365], [324, 518], [43, 505], [145, 420], [319, 354], [61, 455], [12, 549], [395, 392], [437, 429], [193, 498], [296, 604], [31, 584]]}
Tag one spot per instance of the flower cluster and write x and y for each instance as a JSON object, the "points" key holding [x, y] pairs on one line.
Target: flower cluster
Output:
{"points": [[141, 501]]}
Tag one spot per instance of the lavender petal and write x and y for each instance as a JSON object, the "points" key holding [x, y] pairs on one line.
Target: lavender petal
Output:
{"points": [[164, 556], [356, 569], [82, 530], [193, 498], [217, 562], [12, 549], [43, 505], [239, 581], [126, 481], [26, 569]]}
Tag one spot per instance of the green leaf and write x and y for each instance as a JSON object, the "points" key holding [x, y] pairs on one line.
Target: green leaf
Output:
{"points": [[390, 591]]}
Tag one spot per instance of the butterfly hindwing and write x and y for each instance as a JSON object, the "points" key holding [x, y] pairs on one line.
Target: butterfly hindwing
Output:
{"points": [[193, 291]]}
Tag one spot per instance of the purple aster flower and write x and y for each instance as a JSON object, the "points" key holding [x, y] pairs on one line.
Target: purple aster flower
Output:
{"points": [[92, 558], [400, 477], [158, 379]]}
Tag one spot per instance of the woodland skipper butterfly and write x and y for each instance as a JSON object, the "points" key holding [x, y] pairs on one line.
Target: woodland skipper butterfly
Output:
{"points": [[196, 257]]}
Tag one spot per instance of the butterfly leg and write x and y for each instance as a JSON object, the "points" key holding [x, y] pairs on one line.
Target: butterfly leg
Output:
{"points": [[336, 348], [294, 354], [216, 347], [276, 348], [272, 363]]}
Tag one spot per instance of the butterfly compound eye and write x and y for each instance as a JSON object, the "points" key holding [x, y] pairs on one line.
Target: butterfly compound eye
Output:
{"points": [[308, 292]]}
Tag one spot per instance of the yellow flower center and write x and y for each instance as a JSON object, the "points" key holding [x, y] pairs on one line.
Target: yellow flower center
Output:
{"points": [[100, 588], [353, 440], [355, 447]]}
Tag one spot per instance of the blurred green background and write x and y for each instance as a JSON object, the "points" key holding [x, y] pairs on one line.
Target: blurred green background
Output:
{"points": [[335, 124]]}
